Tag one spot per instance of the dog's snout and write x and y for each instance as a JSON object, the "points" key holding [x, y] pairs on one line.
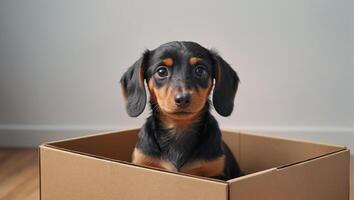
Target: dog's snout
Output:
{"points": [[182, 99]]}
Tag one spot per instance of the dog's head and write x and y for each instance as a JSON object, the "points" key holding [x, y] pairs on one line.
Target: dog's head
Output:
{"points": [[180, 77]]}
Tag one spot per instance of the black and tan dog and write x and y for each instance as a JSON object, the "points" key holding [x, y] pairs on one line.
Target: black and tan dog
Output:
{"points": [[181, 134]]}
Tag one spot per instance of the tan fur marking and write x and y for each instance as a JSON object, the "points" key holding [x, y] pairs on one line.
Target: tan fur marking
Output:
{"points": [[140, 158], [168, 62], [165, 99], [200, 96], [193, 60], [205, 168], [168, 166], [164, 96], [151, 90]]}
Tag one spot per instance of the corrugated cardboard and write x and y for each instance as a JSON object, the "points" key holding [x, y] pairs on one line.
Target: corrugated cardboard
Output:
{"points": [[98, 167]]}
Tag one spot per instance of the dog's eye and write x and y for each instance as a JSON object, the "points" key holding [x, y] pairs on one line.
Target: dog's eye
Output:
{"points": [[162, 72], [200, 70]]}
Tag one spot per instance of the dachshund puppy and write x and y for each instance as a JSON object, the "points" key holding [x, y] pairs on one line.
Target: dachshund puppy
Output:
{"points": [[181, 135]]}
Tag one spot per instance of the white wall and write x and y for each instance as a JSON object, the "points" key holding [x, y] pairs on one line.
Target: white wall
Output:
{"points": [[61, 61]]}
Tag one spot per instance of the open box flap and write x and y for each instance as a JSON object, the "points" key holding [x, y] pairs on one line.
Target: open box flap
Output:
{"points": [[116, 145], [322, 178], [256, 152]]}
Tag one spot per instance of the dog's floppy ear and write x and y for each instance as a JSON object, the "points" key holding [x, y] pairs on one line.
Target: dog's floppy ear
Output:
{"points": [[226, 84], [133, 87]]}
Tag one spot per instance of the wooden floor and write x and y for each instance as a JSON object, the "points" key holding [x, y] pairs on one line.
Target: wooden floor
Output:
{"points": [[19, 174]]}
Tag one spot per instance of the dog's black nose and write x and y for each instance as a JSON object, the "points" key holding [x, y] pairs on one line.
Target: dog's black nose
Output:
{"points": [[182, 99]]}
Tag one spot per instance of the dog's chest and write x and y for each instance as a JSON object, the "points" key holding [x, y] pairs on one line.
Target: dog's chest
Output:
{"points": [[177, 148], [198, 167]]}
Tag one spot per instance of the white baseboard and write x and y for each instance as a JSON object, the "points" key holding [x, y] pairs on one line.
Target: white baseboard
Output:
{"points": [[32, 136]]}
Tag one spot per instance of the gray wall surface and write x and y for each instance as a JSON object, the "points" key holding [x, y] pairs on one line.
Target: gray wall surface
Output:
{"points": [[61, 61]]}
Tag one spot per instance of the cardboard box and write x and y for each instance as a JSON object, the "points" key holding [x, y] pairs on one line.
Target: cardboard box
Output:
{"points": [[98, 167]]}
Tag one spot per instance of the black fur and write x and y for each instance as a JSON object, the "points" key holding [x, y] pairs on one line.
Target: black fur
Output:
{"points": [[133, 87], [201, 140], [226, 86]]}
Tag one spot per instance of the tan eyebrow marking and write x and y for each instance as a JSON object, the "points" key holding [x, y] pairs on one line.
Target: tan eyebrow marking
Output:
{"points": [[194, 60], [168, 62]]}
